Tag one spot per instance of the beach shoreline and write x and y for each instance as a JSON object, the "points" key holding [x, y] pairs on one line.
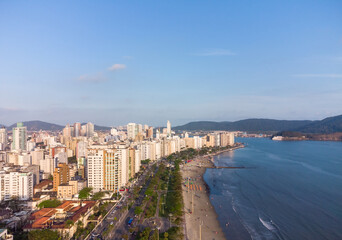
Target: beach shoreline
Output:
{"points": [[201, 219]]}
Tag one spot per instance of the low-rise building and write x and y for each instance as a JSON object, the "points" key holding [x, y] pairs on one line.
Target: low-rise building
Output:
{"points": [[56, 219]]}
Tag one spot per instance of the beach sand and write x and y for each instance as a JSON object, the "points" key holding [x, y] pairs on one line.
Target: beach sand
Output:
{"points": [[203, 212]]}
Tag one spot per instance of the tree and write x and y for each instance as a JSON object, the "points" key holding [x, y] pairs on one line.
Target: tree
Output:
{"points": [[85, 193], [49, 203], [98, 196], [45, 234], [69, 223], [137, 210], [144, 235]]}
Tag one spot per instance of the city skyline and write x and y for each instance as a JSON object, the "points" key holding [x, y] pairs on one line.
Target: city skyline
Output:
{"points": [[119, 62]]}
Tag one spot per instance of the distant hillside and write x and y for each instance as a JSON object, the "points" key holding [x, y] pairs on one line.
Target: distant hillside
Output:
{"points": [[101, 128], [248, 125], [325, 126], [39, 125]]}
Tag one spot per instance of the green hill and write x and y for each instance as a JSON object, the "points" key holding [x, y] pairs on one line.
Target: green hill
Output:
{"points": [[248, 125], [325, 126]]}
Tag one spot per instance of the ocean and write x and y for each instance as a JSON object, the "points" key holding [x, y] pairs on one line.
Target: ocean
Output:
{"points": [[287, 190]]}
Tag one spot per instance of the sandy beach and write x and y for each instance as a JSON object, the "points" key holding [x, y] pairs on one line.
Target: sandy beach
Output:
{"points": [[199, 213]]}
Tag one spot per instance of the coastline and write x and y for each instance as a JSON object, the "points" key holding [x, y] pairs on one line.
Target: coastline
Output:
{"points": [[200, 216]]}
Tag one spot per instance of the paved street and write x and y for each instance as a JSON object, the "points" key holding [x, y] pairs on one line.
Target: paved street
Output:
{"points": [[122, 216]]}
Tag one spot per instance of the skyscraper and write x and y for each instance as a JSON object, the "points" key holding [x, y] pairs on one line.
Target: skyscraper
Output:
{"points": [[90, 129], [19, 137], [168, 127], [131, 133], [3, 138], [77, 129]]}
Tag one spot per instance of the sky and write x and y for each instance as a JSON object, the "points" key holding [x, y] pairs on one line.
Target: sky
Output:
{"points": [[114, 62]]}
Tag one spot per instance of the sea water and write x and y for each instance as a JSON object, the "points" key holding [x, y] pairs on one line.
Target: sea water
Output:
{"points": [[287, 190]]}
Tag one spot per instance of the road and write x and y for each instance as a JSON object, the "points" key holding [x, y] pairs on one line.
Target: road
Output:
{"points": [[117, 212], [122, 228]]}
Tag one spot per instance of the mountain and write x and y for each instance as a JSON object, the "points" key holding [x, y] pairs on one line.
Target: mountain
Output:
{"points": [[248, 125], [101, 128], [39, 125], [325, 126]]}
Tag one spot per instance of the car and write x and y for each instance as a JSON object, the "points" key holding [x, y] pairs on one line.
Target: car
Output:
{"points": [[130, 221]]}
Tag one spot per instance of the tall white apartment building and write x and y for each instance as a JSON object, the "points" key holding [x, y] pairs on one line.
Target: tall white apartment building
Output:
{"points": [[3, 138], [90, 129], [95, 169], [137, 163], [77, 129], [168, 128], [16, 184], [19, 137], [81, 149], [123, 155], [107, 169], [67, 131], [47, 165], [131, 131]]}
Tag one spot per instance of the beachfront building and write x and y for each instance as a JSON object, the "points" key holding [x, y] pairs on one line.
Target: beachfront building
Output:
{"points": [[104, 168]]}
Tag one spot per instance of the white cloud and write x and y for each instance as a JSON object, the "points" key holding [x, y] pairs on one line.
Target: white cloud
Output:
{"points": [[329, 75], [92, 78], [116, 67], [216, 52]]}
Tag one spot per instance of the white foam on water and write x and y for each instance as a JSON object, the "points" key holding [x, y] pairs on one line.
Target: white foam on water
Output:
{"points": [[268, 225]]}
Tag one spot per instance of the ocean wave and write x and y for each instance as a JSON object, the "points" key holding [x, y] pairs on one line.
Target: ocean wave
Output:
{"points": [[268, 225]]}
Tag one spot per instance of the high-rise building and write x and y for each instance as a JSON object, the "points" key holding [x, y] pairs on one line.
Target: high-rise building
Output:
{"points": [[157, 134], [77, 129], [149, 133], [81, 149], [95, 168], [67, 131], [90, 129], [60, 175], [16, 185], [3, 138], [19, 137], [104, 169], [168, 127], [131, 131]]}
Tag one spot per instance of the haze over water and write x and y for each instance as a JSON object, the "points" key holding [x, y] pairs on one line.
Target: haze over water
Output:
{"points": [[291, 191]]}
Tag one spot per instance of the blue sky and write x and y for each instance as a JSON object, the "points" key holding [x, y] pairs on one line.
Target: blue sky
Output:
{"points": [[114, 62]]}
